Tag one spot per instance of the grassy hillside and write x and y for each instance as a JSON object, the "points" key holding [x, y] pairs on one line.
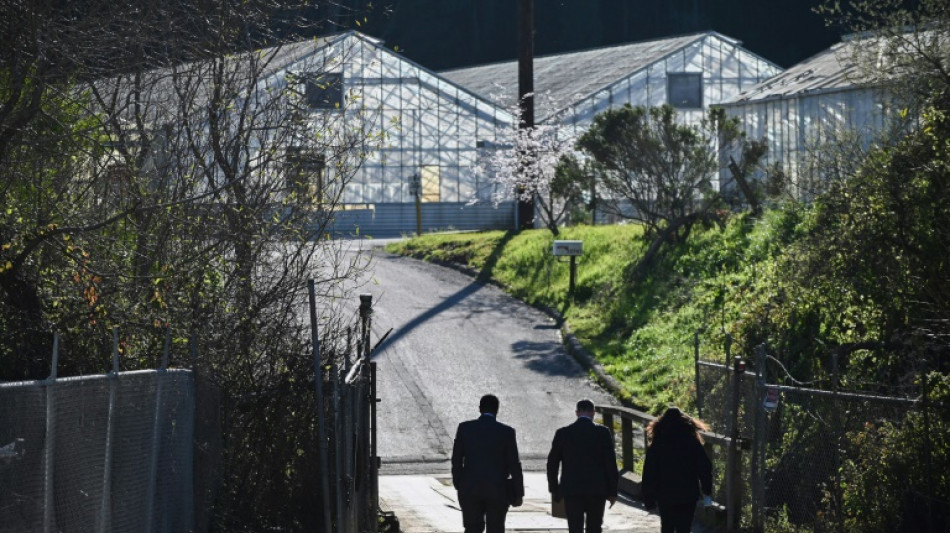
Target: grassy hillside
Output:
{"points": [[641, 332]]}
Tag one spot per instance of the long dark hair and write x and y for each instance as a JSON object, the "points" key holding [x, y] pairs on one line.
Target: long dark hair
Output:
{"points": [[675, 423]]}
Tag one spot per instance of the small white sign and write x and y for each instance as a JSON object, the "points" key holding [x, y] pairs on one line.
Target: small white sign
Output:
{"points": [[568, 248]]}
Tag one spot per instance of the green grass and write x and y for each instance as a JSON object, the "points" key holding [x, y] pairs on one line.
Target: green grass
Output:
{"points": [[642, 332]]}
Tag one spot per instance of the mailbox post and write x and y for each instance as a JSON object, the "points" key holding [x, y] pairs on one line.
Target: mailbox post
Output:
{"points": [[571, 249]]}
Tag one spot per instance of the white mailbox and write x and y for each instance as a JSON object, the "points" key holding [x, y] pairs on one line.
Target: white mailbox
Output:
{"points": [[568, 248]]}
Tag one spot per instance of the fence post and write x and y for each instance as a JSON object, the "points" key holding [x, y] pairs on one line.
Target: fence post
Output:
{"points": [[49, 505], [335, 384], [321, 430], [759, 441], [728, 348], [105, 507], [366, 397], [156, 436], [928, 450], [699, 392], [374, 458], [733, 464], [836, 458]]}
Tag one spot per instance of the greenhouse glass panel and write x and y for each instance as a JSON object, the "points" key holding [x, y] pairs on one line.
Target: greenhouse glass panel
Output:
{"points": [[450, 184]]}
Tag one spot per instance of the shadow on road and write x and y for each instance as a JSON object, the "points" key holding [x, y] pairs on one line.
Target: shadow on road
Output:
{"points": [[546, 358], [483, 277], [449, 302]]}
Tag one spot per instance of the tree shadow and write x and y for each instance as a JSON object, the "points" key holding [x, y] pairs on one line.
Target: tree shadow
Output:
{"points": [[547, 358], [488, 270], [428, 315], [484, 276]]}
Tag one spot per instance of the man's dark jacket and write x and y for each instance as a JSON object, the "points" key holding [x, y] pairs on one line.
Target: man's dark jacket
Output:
{"points": [[484, 455], [674, 470], [585, 452]]}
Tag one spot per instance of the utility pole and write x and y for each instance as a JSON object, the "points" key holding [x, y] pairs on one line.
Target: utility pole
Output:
{"points": [[525, 94]]}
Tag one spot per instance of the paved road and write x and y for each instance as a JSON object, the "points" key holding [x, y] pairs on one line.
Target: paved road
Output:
{"points": [[454, 340]]}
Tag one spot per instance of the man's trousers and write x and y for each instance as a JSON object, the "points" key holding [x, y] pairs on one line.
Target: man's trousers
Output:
{"points": [[583, 510], [479, 512]]}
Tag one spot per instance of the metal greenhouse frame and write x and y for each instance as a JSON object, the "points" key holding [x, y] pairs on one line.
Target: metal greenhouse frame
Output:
{"points": [[422, 131]]}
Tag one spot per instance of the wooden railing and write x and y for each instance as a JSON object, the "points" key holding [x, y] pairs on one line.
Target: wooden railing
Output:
{"points": [[630, 481]]}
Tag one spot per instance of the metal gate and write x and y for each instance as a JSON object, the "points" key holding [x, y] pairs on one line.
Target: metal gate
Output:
{"points": [[347, 430]]}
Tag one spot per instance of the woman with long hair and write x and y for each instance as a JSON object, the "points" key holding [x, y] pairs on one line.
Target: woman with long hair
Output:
{"points": [[677, 470]]}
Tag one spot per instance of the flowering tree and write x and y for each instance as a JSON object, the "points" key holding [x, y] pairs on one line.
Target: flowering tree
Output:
{"points": [[524, 167]]}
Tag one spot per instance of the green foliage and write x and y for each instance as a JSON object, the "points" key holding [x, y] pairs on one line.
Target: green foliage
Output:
{"points": [[897, 473], [641, 333], [646, 157], [133, 199], [646, 165]]}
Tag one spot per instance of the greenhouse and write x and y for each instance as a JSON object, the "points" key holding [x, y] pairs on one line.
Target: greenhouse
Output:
{"points": [[807, 109], [424, 134], [405, 149], [690, 72]]}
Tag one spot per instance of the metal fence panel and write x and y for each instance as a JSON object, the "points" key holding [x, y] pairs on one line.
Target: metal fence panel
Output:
{"points": [[801, 446], [99, 453]]}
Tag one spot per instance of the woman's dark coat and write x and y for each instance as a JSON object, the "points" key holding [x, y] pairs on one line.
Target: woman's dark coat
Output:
{"points": [[675, 470]]}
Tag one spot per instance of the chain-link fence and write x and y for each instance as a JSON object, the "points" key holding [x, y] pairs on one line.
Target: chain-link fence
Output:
{"points": [[825, 460], [160, 450], [98, 453]]}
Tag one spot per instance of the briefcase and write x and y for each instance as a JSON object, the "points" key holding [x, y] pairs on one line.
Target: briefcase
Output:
{"points": [[558, 510], [511, 491]]}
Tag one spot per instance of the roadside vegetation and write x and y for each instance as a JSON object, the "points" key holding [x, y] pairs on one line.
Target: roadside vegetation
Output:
{"points": [[643, 331], [142, 191]]}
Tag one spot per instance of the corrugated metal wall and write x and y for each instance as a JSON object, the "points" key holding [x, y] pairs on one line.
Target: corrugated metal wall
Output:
{"points": [[386, 220]]}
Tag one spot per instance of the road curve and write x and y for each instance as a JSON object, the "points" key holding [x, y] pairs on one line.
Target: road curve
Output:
{"points": [[454, 339]]}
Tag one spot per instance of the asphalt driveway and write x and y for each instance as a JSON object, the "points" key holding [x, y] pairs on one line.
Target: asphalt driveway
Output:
{"points": [[453, 340]]}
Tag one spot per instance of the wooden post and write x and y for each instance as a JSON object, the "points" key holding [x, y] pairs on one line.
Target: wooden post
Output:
{"points": [[418, 213], [609, 420], [626, 431], [570, 288], [525, 210]]}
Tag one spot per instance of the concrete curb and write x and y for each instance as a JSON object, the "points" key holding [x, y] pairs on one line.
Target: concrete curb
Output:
{"points": [[570, 341]]}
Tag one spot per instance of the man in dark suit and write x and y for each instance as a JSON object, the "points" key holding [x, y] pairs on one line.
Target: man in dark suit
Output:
{"points": [[485, 460], [584, 453]]}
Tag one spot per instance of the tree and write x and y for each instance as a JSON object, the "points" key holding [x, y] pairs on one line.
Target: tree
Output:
{"points": [[655, 170], [867, 279], [153, 174], [663, 170], [524, 167]]}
